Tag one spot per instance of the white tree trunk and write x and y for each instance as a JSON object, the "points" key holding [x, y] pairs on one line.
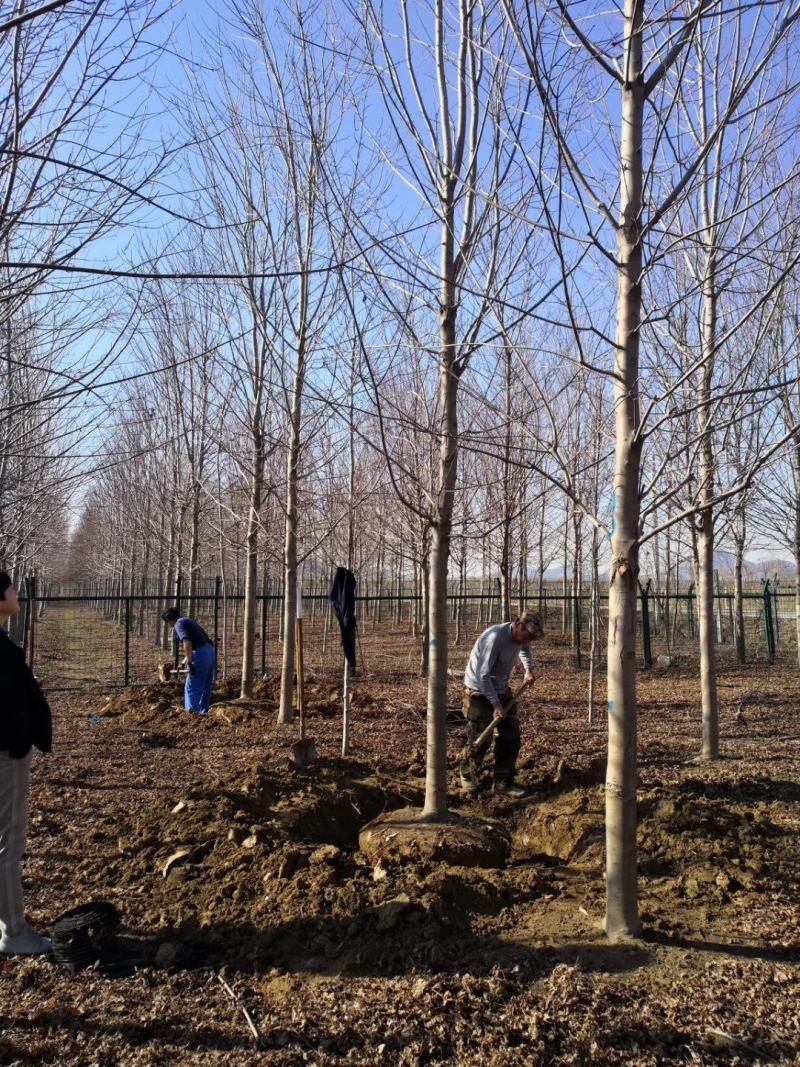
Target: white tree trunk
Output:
{"points": [[741, 650], [436, 762], [505, 529], [622, 910], [286, 710], [704, 526], [251, 562]]}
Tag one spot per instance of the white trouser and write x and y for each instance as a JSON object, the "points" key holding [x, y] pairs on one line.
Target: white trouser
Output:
{"points": [[15, 775]]}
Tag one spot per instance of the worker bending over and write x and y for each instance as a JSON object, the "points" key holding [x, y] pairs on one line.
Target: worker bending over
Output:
{"points": [[487, 695], [200, 661]]}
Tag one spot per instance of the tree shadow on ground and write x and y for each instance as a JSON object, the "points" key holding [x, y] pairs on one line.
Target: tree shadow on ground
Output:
{"points": [[765, 953], [90, 786], [185, 1034], [745, 790], [395, 940], [327, 947]]}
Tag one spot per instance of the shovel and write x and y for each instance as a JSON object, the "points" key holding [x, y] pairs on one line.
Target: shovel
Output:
{"points": [[479, 740], [166, 671]]}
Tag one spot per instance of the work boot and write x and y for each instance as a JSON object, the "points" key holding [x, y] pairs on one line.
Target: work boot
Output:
{"points": [[468, 784], [512, 790], [26, 942]]}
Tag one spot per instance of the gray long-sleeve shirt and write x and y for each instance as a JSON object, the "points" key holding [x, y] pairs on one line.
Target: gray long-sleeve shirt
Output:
{"points": [[492, 661]]}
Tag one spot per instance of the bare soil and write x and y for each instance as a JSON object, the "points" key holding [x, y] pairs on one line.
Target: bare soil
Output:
{"points": [[244, 893]]}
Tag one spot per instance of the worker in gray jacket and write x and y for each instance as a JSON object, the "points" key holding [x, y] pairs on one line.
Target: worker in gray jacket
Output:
{"points": [[487, 695]]}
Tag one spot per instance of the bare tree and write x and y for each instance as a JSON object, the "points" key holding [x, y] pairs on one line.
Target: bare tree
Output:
{"points": [[647, 51], [456, 157]]}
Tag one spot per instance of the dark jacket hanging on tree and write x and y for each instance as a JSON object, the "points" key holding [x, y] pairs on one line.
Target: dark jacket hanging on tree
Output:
{"points": [[343, 598]]}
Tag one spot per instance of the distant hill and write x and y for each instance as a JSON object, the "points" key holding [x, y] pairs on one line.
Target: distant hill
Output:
{"points": [[724, 562]]}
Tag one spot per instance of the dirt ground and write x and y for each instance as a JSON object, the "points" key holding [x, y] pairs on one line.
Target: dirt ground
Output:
{"points": [[255, 932]]}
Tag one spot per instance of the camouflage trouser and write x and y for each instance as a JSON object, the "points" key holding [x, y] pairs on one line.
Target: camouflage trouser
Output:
{"points": [[479, 713]]}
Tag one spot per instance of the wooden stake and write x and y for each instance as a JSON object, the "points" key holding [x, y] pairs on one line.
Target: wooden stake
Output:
{"points": [[346, 709]]}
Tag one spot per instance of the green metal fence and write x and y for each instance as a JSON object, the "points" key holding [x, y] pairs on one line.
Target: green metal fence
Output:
{"points": [[76, 639]]}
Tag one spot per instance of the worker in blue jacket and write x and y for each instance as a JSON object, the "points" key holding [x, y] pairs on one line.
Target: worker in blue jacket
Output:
{"points": [[199, 660]]}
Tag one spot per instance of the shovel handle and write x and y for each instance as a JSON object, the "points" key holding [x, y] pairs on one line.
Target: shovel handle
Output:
{"points": [[493, 724]]}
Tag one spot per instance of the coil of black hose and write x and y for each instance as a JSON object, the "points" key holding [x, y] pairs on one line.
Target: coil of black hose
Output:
{"points": [[85, 934]]}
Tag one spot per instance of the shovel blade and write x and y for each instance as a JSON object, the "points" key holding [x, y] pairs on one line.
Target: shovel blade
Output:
{"points": [[304, 752]]}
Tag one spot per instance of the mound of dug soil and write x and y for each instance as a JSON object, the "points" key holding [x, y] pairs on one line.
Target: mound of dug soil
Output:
{"points": [[568, 827], [273, 868], [160, 706], [265, 871]]}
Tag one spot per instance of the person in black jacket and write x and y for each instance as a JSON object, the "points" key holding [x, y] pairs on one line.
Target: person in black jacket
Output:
{"points": [[24, 723]]}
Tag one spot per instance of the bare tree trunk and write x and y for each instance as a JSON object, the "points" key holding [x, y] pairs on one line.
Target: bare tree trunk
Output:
{"points": [[523, 564], [718, 607], [594, 590], [575, 605], [351, 462], [426, 592], [483, 588], [796, 539], [541, 562], [169, 585], [436, 762], [462, 577], [194, 545], [668, 585], [222, 654], [565, 582], [704, 525], [594, 620], [705, 615], [505, 530], [622, 907], [251, 558], [416, 586], [739, 541], [286, 711]]}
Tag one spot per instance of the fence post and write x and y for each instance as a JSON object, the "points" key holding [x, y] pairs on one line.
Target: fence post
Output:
{"points": [[645, 600], [127, 640], [769, 633], [690, 609]]}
